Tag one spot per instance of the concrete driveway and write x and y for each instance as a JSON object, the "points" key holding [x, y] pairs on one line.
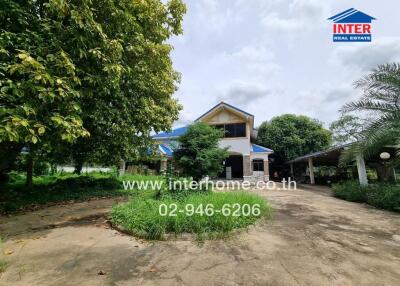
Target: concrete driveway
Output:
{"points": [[313, 239]]}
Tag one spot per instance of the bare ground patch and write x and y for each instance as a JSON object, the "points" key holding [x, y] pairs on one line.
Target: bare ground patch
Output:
{"points": [[313, 239]]}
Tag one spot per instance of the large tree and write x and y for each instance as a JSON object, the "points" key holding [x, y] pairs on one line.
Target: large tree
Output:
{"points": [[292, 135], [346, 129], [128, 93], [79, 67], [39, 96], [198, 154]]}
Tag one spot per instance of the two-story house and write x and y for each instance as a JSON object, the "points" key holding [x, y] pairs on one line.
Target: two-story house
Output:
{"points": [[246, 160]]}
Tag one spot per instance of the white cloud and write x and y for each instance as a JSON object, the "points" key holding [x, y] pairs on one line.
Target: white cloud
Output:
{"points": [[255, 61], [243, 93], [301, 17], [185, 118], [244, 52], [366, 57]]}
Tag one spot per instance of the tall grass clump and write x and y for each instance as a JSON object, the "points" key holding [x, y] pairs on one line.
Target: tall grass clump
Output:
{"points": [[142, 216]]}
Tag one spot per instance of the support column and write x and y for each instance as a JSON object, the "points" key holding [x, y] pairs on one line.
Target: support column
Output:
{"points": [[266, 170], [246, 166], [163, 166], [311, 169], [362, 171], [122, 166]]}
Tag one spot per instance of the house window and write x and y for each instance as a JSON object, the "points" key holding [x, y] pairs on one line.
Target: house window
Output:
{"points": [[233, 130], [258, 165]]}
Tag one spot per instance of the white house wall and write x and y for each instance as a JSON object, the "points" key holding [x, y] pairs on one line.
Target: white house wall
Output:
{"points": [[238, 145], [262, 156]]}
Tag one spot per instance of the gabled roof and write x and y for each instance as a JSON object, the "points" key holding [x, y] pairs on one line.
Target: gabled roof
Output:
{"points": [[260, 149], [351, 16], [173, 134], [224, 104]]}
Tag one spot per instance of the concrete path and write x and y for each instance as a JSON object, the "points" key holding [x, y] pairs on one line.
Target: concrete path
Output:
{"points": [[313, 239]]}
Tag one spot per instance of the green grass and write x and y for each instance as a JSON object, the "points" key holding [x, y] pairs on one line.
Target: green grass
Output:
{"points": [[384, 196], [3, 264], [141, 216], [48, 189]]}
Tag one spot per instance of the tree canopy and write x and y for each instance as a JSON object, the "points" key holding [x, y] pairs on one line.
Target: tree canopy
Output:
{"points": [[90, 78], [292, 135], [346, 129], [198, 154]]}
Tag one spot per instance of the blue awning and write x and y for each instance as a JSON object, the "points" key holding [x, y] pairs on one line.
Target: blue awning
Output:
{"points": [[165, 149], [260, 149]]}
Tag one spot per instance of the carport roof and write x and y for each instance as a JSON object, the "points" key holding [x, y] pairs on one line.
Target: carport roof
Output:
{"points": [[330, 156]]}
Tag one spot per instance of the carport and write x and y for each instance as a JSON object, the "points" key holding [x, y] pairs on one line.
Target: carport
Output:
{"points": [[331, 157]]}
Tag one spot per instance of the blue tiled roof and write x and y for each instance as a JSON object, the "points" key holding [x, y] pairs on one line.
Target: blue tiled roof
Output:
{"points": [[174, 133], [260, 149], [166, 150]]}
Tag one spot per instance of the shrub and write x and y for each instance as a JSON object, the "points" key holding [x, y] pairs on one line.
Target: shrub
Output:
{"points": [[16, 196], [141, 216], [87, 182], [349, 191], [384, 196]]}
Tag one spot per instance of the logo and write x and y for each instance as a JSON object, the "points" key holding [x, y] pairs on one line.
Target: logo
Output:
{"points": [[352, 26]]}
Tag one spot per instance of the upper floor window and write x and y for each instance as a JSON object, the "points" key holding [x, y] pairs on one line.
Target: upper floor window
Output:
{"points": [[233, 129]]}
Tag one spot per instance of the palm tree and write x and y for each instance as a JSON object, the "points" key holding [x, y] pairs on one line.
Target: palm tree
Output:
{"points": [[381, 101]]}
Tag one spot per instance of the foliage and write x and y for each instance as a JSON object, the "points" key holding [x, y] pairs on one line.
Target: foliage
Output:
{"points": [[61, 188], [127, 91], [40, 168], [69, 69], [292, 135], [381, 100], [199, 154], [384, 196], [350, 191], [141, 217], [346, 129]]}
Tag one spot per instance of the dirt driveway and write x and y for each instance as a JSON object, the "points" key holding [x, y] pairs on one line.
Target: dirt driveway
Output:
{"points": [[313, 239]]}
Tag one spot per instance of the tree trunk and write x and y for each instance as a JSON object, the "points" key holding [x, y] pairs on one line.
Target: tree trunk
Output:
{"points": [[29, 171], [78, 168], [8, 153]]}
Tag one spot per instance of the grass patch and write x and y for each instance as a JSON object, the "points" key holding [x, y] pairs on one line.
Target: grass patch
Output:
{"points": [[3, 264], [50, 189], [141, 216], [384, 196]]}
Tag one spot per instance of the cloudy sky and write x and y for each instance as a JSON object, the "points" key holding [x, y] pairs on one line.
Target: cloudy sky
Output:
{"points": [[271, 57]]}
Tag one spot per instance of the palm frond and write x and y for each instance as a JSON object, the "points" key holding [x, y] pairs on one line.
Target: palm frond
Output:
{"points": [[368, 105]]}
